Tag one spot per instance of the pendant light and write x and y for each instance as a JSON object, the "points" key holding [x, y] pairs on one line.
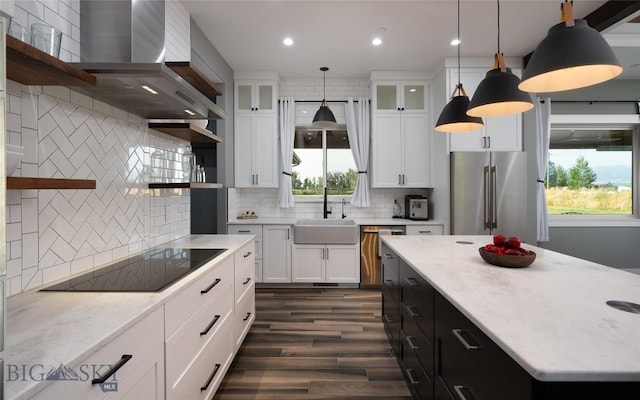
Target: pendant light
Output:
{"points": [[572, 56], [453, 117], [324, 117], [498, 93]]}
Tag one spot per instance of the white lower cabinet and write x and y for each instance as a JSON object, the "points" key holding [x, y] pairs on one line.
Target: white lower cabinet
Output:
{"points": [[276, 253], [139, 353], [325, 263], [245, 305], [255, 230]]}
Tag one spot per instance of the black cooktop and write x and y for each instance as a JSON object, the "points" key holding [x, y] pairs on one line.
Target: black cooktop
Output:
{"points": [[150, 271]]}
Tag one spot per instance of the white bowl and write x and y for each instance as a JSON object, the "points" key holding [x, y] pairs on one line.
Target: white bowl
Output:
{"points": [[13, 157]]}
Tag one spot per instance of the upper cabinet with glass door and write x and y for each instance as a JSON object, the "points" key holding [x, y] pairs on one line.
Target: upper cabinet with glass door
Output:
{"points": [[393, 96], [256, 96]]}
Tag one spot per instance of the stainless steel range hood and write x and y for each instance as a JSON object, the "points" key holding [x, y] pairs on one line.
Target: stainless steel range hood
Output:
{"points": [[122, 43]]}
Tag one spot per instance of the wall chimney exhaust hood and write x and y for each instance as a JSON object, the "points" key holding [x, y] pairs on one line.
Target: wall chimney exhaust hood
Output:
{"points": [[122, 43]]}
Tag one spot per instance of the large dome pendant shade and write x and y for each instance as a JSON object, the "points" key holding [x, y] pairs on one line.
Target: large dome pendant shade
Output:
{"points": [[570, 58], [498, 94], [324, 118], [454, 118]]}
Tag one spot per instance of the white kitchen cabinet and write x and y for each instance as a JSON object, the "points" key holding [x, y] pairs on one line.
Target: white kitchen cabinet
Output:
{"points": [[256, 96], [400, 133], [400, 151], [409, 96], [255, 230], [325, 263], [425, 230], [498, 134], [256, 151], [139, 350], [276, 254], [245, 306]]}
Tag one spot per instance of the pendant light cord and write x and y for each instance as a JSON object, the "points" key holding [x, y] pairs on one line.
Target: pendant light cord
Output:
{"points": [[324, 85], [498, 1], [459, 44]]}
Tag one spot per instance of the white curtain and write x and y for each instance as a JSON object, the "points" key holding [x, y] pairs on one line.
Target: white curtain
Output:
{"points": [[543, 124], [287, 126], [357, 116]]}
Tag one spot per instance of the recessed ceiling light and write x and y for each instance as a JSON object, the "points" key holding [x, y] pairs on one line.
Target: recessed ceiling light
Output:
{"points": [[148, 89], [189, 112], [455, 42], [288, 41], [376, 41], [412, 90]]}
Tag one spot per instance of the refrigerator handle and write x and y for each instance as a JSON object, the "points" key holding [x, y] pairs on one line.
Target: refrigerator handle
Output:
{"points": [[494, 200], [486, 197]]}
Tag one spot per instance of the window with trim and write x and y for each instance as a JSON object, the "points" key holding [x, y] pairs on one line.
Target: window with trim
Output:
{"points": [[591, 171], [322, 157]]}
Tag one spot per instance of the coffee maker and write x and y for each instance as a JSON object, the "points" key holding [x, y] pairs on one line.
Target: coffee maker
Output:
{"points": [[416, 207]]}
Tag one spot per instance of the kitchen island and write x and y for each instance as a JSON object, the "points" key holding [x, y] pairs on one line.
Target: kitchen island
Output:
{"points": [[547, 326], [58, 342]]}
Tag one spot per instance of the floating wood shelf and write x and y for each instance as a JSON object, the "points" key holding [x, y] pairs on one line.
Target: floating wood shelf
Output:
{"points": [[186, 131], [30, 66], [196, 78], [185, 185], [49, 183]]}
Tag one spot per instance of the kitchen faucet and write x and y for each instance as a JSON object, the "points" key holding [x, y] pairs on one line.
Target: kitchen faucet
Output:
{"points": [[325, 211], [343, 214]]}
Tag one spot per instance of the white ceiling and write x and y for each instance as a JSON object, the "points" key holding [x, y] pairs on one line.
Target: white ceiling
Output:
{"points": [[338, 34]]}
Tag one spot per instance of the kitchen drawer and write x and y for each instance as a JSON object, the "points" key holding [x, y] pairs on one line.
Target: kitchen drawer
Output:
{"points": [[418, 300], [142, 373], [417, 378], [390, 272], [392, 321], [258, 275], [463, 343], [183, 348], [244, 270], [255, 230], [180, 307], [425, 230], [245, 314], [204, 375], [415, 344]]}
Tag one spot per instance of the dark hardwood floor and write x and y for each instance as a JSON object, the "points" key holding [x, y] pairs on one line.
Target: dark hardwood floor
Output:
{"points": [[315, 343]]}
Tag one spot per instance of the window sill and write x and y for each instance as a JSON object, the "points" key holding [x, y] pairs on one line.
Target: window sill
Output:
{"points": [[569, 221], [320, 199]]}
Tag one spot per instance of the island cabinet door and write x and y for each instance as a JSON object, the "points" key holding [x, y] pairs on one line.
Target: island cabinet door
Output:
{"points": [[471, 365]]}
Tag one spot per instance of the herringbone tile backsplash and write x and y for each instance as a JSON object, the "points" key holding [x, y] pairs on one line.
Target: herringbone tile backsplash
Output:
{"points": [[52, 234]]}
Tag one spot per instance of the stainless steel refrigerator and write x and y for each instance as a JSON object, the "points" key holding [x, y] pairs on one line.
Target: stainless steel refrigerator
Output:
{"points": [[488, 193]]}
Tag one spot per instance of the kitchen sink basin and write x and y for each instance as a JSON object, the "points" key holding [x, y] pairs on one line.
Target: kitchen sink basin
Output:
{"points": [[325, 231]]}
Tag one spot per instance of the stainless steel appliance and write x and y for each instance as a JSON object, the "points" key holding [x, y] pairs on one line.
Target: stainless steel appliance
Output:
{"points": [[488, 193], [370, 272], [150, 271], [416, 207]]}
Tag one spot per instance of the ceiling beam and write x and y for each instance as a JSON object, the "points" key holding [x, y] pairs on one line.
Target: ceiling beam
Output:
{"points": [[605, 16]]}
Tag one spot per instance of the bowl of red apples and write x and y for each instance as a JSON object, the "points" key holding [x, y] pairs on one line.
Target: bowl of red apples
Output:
{"points": [[506, 252]]}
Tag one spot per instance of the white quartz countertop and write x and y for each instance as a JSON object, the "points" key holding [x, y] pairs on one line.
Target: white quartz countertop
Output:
{"points": [[551, 317], [51, 328], [358, 221]]}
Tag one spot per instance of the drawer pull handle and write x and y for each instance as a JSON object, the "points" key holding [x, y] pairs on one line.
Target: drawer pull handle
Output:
{"points": [[211, 286], [412, 311], [412, 282], [246, 281], [388, 256], [458, 334], [123, 361], [424, 231], [211, 324], [213, 374], [388, 282], [411, 345], [247, 317], [247, 255], [411, 378], [459, 388], [243, 231]]}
